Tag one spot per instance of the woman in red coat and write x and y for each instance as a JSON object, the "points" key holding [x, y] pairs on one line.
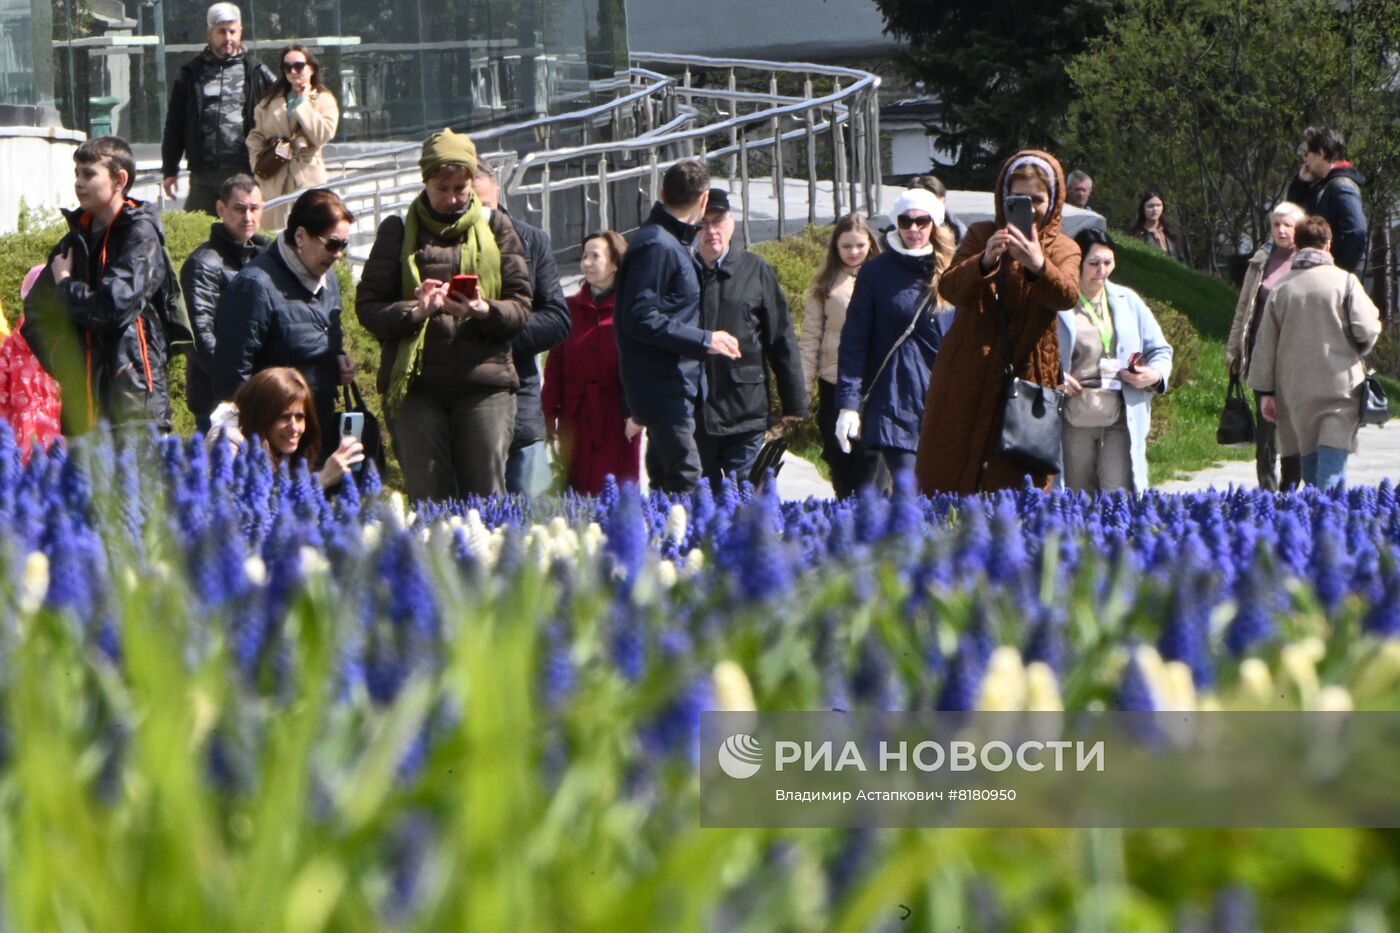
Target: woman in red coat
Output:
{"points": [[582, 394]]}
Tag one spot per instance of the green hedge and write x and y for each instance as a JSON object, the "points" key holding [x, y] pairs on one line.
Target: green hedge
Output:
{"points": [[184, 232]]}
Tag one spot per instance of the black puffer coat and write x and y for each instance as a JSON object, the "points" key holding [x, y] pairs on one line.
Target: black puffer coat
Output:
{"points": [[211, 112], [203, 278], [101, 332]]}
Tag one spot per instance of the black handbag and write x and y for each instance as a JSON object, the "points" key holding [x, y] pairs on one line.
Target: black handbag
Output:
{"points": [[1030, 413], [1236, 419], [1375, 407], [370, 437]]}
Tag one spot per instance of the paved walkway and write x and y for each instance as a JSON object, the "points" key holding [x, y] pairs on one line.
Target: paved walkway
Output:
{"points": [[1377, 458]]}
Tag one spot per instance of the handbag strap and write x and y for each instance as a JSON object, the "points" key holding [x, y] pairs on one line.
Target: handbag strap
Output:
{"points": [[908, 331], [1003, 329], [350, 394]]}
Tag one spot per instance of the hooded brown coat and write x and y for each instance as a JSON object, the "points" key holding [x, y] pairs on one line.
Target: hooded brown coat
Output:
{"points": [[962, 411]]}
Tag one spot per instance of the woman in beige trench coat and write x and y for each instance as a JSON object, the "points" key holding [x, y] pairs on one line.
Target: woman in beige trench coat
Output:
{"points": [[298, 108], [1307, 363]]}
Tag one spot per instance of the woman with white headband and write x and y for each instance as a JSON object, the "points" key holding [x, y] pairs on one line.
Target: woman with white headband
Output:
{"points": [[891, 335]]}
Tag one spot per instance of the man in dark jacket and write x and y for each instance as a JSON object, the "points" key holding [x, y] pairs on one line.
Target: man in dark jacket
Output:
{"points": [[739, 293], [660, 342], [233, 242], [211, 111], [1330, 186], [527, 467], [96, 320]]}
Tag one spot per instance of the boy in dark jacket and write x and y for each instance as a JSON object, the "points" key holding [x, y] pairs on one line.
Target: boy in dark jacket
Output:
{"points": [[233, 242], [95, 317], [660, 342]]}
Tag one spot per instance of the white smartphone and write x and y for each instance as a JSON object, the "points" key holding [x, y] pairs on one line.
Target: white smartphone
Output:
{"points": [[352, 424]]}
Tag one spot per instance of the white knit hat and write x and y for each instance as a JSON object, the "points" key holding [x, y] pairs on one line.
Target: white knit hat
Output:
{"points": [[921, 199], [223, 13]]}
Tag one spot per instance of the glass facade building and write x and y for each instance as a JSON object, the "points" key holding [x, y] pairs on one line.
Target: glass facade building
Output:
{"points": [[397, 67]]}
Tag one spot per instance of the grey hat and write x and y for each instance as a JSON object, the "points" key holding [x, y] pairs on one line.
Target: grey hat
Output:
{"points": [[223, 13]]}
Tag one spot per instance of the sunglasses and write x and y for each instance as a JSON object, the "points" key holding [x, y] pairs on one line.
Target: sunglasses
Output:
{"points": [[334, 245], [295, 66], [905, 221]]}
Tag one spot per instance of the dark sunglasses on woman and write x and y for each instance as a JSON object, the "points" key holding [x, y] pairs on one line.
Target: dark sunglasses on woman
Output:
{"points": [[334, 245], [294, 66], [906, 221]]}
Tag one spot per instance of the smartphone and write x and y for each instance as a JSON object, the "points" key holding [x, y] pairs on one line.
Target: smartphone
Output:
{"points": [[1018, 213], [463, 286], [352, 424]]}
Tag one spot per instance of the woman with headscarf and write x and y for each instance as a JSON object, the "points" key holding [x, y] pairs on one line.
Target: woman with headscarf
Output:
{"points": [[446, 370], [998, 270], [891, 335]]}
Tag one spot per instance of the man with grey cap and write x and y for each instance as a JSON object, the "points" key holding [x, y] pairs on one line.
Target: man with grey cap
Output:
{"points": [[211, 111]]}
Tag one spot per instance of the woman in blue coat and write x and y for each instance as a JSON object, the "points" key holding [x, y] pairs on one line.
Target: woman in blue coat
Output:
{"points": [[891, 335], [1115, 359]]}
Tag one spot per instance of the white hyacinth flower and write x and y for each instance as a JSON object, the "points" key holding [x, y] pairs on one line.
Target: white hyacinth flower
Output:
{"points": [[1042, 689], [733, 694], [676, 524], [33, 582], [255, 570], [1004, 687]]}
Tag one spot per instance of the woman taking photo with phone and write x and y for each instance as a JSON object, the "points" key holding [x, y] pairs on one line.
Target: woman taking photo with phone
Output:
{"points": [[1115, 360], [582, 394], [891, 335], [998, 272], [276, 407], [446, 372], [852, 244], [291, 124]]}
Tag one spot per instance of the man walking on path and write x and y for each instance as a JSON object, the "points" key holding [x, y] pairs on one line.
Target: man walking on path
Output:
{"points": [[527, 466], [660, 341], [739, 294], [211, 111], [1329, 185]]}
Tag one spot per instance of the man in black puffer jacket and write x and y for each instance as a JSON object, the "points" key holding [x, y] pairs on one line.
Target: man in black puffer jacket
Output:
{"points": [[233, 243], [95, 318], [211, 111]]}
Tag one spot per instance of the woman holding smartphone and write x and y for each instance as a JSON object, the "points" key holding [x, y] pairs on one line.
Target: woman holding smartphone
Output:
{"points": [[998, 271], [852, 244], [297, 117], [446, 371], [1115, 360]]}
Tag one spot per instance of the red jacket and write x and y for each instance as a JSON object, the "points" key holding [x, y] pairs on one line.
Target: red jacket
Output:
{"points": [[582, 398]]}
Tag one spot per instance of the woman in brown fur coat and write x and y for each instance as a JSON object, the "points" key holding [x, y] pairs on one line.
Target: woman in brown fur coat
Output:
{"points": [[1038, 277]]}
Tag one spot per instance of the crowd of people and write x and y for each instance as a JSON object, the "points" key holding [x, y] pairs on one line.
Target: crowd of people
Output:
{"points": [[923, 341]]}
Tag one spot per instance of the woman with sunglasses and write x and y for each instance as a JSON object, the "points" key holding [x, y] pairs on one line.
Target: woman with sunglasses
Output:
{"points": [[891, 336], [444, 290], [283, 309], [296, 118]]}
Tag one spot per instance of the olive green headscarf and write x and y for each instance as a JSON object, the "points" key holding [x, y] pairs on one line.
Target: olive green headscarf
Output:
{"points": [[479, 254]]}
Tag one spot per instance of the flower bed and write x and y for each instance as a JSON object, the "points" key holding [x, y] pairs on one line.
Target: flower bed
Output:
{"points": [[229, 703]]}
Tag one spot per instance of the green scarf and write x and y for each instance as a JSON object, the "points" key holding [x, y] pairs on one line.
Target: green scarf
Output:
{"points": [[480, 256]]}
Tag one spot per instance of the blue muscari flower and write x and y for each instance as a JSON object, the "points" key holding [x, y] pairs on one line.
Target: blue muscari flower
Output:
{"points": [[872, 681], [1253, 624], [1134, 690], [1383, 618], [1185, 634], [677, 727], [1294, 543], [870, 515], [409, 846], [906, 513], [557, 673], [1329, 565], [1047, 640], [841, 539], [753, 554], [849, 862], [1007, 559], [70, 580], [625, 526], [628, 640], [964, 681], [974, 539]]}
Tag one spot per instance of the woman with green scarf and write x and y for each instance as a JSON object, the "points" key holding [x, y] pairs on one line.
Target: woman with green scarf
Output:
{"points": [[446, 373]]}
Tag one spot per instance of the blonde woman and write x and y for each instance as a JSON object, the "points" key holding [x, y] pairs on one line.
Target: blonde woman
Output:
{"points": [[852, 244], [891, 335], [296, 118]]}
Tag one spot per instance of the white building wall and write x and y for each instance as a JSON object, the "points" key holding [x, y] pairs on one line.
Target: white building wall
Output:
{"points": [[36, 163]]}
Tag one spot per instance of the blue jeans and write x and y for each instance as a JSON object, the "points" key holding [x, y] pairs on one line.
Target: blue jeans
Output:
{"points": [[527, 470], [1325, 467]]}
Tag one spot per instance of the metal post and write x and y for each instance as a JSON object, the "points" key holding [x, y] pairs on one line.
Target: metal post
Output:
{"points": [[654, 183], [544, 196], [838, 162], [810, 120], [603, 193], [857, 160], [733, 112], [877, 175], [744, 186], [773, 125], [778, 176]]}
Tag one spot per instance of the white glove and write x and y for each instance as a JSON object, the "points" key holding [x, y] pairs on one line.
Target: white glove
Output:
{"points": [[847, 429]]}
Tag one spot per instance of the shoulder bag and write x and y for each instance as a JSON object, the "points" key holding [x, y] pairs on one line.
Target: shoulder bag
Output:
{"points": [[1030, 412], [1236, 420]]}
